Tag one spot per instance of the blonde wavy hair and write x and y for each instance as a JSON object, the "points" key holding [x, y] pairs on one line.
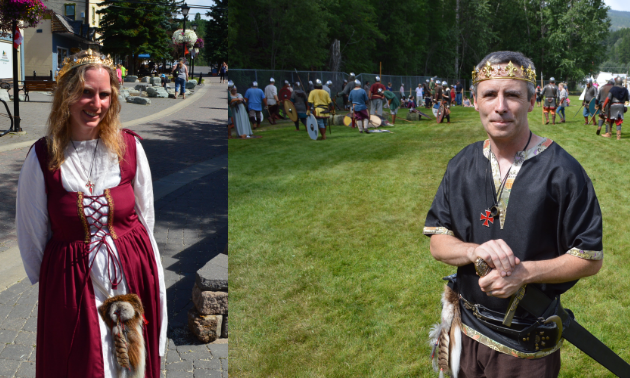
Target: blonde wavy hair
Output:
{"points": [[69, 90]]}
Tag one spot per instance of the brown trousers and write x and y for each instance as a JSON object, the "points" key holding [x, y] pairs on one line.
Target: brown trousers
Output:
{"points": [[479, 361]]}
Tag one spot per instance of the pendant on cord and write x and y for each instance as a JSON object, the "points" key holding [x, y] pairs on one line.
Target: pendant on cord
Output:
{"points": [[488, 217], [90, 186]]}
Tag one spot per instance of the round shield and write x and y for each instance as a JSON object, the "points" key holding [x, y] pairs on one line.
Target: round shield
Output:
{"points": [[375, 121], [289, 109], [311, 126], [591, 107], [347, 120], [440, 113]]}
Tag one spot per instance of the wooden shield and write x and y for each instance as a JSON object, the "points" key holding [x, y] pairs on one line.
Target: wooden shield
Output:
{"points": [[311, 127], [591, 108], [289, 109], [440, 113], [375, 121], [347, 120]]}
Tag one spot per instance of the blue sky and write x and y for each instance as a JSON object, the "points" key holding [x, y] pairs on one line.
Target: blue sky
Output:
{"points": [[619, 5]]}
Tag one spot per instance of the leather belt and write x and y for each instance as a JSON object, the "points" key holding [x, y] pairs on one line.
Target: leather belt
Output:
{"points": [[537, 303], [532, 336]]}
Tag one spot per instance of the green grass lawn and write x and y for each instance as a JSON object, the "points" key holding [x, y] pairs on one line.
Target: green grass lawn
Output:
{"points": [[330, 274]]}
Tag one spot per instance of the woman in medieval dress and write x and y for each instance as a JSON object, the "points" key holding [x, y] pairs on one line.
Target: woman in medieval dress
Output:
{"points": [[85, 222]]}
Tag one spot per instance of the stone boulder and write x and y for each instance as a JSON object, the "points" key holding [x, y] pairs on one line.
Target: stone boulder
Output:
{"points": [[206, 328], [156, 81], [131, 79], [4, 95], [141, 87], [210, 302], [139, 100], [121, 98], [193, 81], [125, 93], [146, 79], [133, 92], [157, 92], [214, 275], [191, 84]]}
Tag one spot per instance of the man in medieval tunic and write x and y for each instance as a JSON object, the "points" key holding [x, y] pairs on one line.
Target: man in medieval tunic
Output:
{"points": [[589, 94], [550, 98], [550, 238], [393, 103], [320, 104], [615, 105], [358, 98], [348, 86], [376, 97], [439, 98], [601, 98], [271, 93]]}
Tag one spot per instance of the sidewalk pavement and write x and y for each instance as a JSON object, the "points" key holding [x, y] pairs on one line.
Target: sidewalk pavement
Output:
{"points": [[187, 151]]}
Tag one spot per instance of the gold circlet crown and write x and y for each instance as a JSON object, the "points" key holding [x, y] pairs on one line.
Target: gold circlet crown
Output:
{"points": [[91, 57], [510, 71]]}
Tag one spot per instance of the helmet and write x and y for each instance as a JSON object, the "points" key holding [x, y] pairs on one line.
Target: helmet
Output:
{"points": [[272, 80], [318, 83], [255, 84], [618, 81], [286, 82], [402, 84], [378, 78], [552, 80], [428, 80], [357, 83], [444, 83], [589, 81], [351, 74], [380, 90], [345, 81], [329, 82], [230, 83], [431, 79]]}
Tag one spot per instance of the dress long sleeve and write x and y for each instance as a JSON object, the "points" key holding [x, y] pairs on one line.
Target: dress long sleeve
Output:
{"points": [[32, 224], [143, 190]]}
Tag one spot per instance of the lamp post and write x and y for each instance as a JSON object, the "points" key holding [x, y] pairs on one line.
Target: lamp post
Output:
{"points": [[193, 54], [185, 10]]}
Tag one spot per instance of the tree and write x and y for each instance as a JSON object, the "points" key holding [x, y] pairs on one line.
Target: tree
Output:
{"points": [[135, 28], [216, 33]]}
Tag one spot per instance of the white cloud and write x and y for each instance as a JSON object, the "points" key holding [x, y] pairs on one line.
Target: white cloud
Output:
{"points": [[618, 5]]}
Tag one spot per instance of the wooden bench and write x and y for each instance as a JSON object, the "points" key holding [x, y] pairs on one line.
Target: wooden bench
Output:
{"points": [[38, 86]]}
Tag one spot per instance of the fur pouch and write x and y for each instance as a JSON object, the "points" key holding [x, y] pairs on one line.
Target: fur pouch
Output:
{"points": [[446, 337], [124, 314]]}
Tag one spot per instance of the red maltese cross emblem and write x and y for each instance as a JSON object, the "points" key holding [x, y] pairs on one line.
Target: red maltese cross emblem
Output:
{"points": [[487, 218]]}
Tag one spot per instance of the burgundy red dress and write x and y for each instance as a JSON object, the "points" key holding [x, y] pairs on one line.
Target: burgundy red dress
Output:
{"points": [[68, 336]]}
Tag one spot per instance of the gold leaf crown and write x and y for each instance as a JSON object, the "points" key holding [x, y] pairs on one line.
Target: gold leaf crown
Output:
{"points": [[510, 71], [90, 57]]}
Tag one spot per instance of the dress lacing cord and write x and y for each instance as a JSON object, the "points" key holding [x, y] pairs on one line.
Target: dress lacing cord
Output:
{"points": [[114, 267]]}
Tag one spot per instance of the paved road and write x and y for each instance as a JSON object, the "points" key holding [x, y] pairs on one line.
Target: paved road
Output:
{"points": [[191, 228]]}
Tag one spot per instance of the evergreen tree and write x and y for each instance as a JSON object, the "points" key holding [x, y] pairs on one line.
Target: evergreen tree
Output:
{"points": [[216, 33], [133, 28]]}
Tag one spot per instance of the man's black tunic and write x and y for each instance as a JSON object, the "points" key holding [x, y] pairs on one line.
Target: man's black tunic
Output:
{"points": [[552, 210]]}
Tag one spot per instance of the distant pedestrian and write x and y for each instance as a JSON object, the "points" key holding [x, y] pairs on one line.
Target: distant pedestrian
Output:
{"points": [[119, 74], [164, 81], [124, 71], [402, 90], [563, 101], [222, 72], [181, 77], [458, 93]]}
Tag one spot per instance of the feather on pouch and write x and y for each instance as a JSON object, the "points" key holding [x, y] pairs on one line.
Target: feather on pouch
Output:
{"points": [[445, 337]]}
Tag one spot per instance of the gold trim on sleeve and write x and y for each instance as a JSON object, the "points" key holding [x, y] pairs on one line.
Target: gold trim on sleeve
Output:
{"points": [[437, 231], [110, 220], [586, 255], [82, 216], [485, 340]]}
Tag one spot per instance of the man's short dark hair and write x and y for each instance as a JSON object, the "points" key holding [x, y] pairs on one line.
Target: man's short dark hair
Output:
{"points": [[504, 57]]}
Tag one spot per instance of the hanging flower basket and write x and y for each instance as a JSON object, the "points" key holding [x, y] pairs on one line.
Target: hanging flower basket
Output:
{"points": [[199, 44], [29, 12], [180, 38]]}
